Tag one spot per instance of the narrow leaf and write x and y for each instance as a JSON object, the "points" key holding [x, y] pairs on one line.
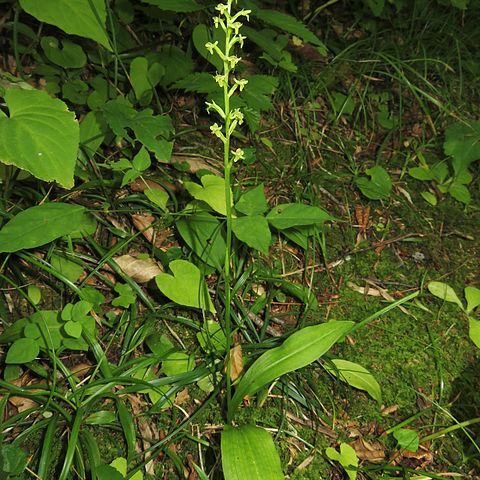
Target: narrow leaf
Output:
{"points": [[299, 350]]}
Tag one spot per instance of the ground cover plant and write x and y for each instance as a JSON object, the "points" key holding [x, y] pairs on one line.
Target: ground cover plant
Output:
{"points": [[240, 240]]}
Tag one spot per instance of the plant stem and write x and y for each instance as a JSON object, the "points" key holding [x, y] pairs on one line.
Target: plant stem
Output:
{"points": [[228, 241]]}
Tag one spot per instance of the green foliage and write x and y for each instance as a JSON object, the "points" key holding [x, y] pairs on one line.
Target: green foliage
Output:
{"points": [[347, 458], [378, 187], [86, 18], [407, 439], [356, 376], [249, 452], [49, 133], [42, 224], [299, 350], [186, 286]]}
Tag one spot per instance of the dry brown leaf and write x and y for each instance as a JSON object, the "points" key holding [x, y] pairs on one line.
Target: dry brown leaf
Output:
{"points": [[141, 271], [373, 292], [22, 403], [236, 362], [142, 222], [306, 462], [182, 397], [81, 370], [388, 410], [371, 451], [195, 164]]}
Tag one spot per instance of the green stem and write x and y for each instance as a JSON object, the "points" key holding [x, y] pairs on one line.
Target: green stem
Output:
{"points": [[228, 200], [444, 431]]}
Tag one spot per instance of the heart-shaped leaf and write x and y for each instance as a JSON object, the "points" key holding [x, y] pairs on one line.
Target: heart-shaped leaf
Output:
{"points": [[186, 286], [347, 457], [407, 439], [74, 329], [69, 55], [40, 136], [212, 192], [23, 350], [39, 225], [85, 18], [378, 187], [356, 376]]}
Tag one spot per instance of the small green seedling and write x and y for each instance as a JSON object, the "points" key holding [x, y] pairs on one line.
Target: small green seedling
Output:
{"points": [[472, 296], [347, 458]]}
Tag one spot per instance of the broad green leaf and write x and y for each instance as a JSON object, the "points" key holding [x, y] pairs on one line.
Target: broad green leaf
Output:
{"points": [[376, 6], [23, 350], [462, 142], [176, 5], [34, 294], [378, 187], [445, 292], [296, 214], [120, 464], [157, 197], [154, 131], [106, 472], [177, 63], [200, 82], [474, 330], [248, 452], [139, 76], [254, 231], [347, 458], [212, 192], [186, 286], [429, 197], [160, 345], [69, 55], [460, 192], [74, 329], [258, 92], [202, 232], [85, 18], [101, 417], [92, 133], [299, 350], [126, 296], [141, 161], [253, 202], [265, 39], [291, 25], [212, 338], [407, 439], [356, 376], [68, 268], [40, 225], [472, 295], [13, 460], [200, 36], [421, 173], [40, 136], [177, 363]]}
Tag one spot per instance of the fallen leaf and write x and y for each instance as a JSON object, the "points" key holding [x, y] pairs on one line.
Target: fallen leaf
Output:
{"points": [[371, 451], [142, 222], [236, 362], [195, 163], [182, 397], [141, 271]]}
